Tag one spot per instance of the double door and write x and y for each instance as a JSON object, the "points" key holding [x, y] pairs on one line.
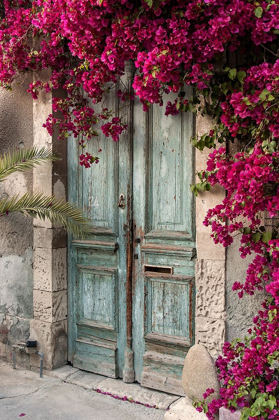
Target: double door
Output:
{"points": [[131, 283]]}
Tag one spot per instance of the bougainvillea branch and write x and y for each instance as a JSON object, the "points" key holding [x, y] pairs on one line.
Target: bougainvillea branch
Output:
{"points": [[227, 51]]}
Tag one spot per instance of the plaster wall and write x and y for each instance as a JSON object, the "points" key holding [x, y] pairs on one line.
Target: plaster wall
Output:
{"points": [[16, 239], [240, 312]]}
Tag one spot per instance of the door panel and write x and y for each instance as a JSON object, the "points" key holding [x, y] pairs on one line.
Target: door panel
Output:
{"points": [[170, 166]]}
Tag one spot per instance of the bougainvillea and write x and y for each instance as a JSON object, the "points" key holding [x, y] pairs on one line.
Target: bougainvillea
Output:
{"points": [[227, 50], [249, 370]]}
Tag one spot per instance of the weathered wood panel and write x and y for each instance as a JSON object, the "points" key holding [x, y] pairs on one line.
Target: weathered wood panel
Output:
{"points": [[97, 295], [168, 303], [165, 240]]}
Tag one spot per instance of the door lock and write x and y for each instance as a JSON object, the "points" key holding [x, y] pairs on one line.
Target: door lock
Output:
{"points": [[121, 201]]}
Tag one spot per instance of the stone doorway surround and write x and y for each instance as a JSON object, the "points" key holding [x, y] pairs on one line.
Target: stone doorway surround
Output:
{"points": [[49, 325], [210, 264]]}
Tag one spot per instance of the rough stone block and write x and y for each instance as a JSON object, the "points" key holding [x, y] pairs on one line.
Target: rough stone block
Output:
{"points": [[50, 307], [43, 269], [225, 414], [50, 269], [43, 237], [42, 180], [210, 288], [50, 238], [183, 410], [211, 333], [199, 374], [42, 305], [52, 341], [59, 269], [59, 306], [207, 200], [206, 249]]}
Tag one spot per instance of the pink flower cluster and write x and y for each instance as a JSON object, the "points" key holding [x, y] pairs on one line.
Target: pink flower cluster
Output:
{"points": [[86, 43], [252, 184]]}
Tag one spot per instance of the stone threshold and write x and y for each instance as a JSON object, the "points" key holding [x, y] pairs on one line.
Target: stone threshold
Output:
{"points": [[114, 387]]}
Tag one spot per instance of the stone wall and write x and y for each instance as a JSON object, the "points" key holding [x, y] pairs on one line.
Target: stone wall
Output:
{"points": [[49, 326], [33, 255], [210, 265], [16, 240]]}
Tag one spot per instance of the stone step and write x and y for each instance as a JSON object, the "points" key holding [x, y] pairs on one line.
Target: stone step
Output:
{"points": [[115, 387]]}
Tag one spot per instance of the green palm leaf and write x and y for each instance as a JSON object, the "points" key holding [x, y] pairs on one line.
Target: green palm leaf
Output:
{"points": [[23, 159], [57, 211]]}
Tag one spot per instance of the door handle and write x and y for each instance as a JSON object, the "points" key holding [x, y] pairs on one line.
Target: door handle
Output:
{"points": [[121, 201]]}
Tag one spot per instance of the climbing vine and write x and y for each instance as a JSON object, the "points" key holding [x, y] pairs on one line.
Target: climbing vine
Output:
{"points": [[227, 50]]}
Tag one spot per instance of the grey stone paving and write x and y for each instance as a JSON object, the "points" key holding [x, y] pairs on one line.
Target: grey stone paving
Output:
{"points": [[68, 394]]}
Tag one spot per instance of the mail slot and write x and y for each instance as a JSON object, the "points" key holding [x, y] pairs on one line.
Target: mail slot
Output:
{"points": [[158, 269]]}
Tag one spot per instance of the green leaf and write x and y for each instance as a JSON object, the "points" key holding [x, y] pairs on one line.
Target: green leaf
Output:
{"points": [[48, 207], [22, 160], [232, 74], [256, 237], [266, 237], [149, 3], [272, 146], [264, 94], [253, 393], [246, 230], [246, 101], [259, 12], [271, 402], [270, 98], [241, 75]]}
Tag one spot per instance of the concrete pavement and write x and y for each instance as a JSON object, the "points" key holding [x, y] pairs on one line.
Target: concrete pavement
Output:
{"points": [[72, 395]]}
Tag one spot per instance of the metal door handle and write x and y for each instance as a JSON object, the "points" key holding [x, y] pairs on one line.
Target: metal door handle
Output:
{"points": [[121, 201]]}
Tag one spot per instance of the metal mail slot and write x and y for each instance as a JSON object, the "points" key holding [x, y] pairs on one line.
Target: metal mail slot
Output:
{"points": [[158, 269]]}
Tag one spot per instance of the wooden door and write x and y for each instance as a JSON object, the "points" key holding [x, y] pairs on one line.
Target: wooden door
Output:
{"points": [[164, 247], [131, 284]]}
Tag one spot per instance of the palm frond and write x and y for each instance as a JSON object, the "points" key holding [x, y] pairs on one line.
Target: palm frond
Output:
{"points": [[23, 159], [57, 211]]}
